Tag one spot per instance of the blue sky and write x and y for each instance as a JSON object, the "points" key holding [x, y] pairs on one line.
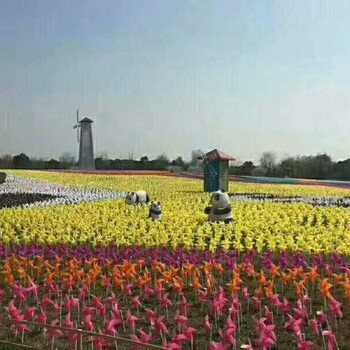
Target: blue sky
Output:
{"points": [[172, 76]]}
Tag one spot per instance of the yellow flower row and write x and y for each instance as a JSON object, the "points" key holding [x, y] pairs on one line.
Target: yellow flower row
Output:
{"points": [[257, 225]]}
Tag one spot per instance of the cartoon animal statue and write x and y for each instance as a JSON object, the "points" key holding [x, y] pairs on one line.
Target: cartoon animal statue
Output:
{"points": [[138, 197], [219, 208], [155, 211]]}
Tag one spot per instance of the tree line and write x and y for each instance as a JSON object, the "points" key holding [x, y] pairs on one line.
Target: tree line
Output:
{"points": [[320, 166]]}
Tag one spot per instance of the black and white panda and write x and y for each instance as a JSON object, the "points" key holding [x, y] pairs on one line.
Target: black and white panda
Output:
{"points": [[219, 208], [155, 211], [138, 197]]}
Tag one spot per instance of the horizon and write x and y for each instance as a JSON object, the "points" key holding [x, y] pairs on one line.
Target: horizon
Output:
{"points": [[174, 77]]}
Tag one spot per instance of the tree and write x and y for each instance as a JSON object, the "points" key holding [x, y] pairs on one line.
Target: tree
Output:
{"points": [[268, 163], [53, 164], [21, 161], [195, 154], [144, 159], [67, 160], [179, 162], [247, 168], [102, 155], [6, 161], [162, 161]]}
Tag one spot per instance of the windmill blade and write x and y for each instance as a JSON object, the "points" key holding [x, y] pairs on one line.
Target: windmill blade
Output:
{"points": [[77, 116], [78, 135]]}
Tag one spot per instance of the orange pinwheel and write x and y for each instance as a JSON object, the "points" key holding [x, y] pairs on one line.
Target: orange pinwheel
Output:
{"points": [[275, 271], [145, 280], [196, 285], [301, 288], [325, 288]]}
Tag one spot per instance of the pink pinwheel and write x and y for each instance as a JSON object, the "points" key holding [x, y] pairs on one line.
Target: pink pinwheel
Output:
{"points": [[260, 324], [13, 311], [161, 327], [306, 345], [335, 308], [128, 290], [136, 303], [72, 303], [88, 324], [285, 306], [294, 325], [112, 299], [307, 302], [185, 306], [149, 292], [321, 319], [266, 342], [301, 312], [29, 314], [179, 339], [21, 327], [247, 346], [257, 303], [88, 310], [268, 315], [152, 316], [112, 326], [50, 288], [191, 334], [208, 326], [101, 308], [267, 335], [171, 346], [68, 323], [100, 342], [145, 338], [131, 321], [42, 317], [166, 302], [315, 326], [54, 332], [231, 327], [73, 337], [227, 338], [160, 292], [32, 290], [218, 346], [181, 321], [246, 293], [84, 292], [115, 310], [19, 293], [47, 302], [203, 298], [331, 340]]}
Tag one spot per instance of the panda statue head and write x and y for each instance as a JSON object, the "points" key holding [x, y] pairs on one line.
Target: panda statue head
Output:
{"points": [[155, 212], [130, 198], [220, 199]]}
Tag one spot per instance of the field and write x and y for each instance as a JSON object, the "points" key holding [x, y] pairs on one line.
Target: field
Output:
{"points": [[75, 256]]}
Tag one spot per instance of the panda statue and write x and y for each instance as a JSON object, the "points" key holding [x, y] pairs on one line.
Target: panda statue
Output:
{"points": [[219, 208], [155, 211], [138, 197]]}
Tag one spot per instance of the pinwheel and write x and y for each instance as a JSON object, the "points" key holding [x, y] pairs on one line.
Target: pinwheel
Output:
{"points": [[144, 338], [54, 333]]}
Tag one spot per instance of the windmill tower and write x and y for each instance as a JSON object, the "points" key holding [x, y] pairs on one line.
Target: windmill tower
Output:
{"points": [[86, 148]]}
